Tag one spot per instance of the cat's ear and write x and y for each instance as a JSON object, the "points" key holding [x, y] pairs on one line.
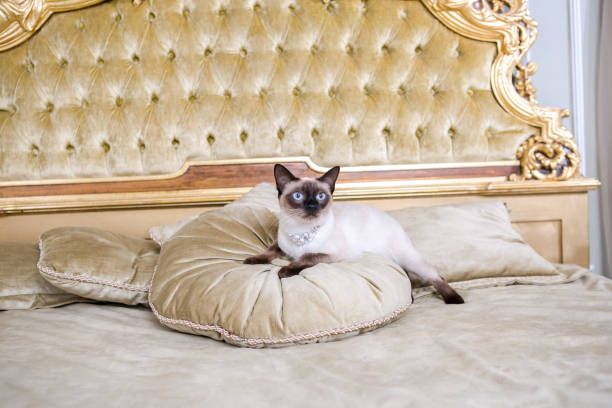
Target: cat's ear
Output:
{"points": [[330, 178], [282, 176]]}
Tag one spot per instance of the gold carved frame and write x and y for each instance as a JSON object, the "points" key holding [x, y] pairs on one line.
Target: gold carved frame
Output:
{"points": [[550, 156]]}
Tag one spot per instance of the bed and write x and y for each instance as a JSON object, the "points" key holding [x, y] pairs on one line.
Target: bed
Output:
{"points": [[127, 114]]}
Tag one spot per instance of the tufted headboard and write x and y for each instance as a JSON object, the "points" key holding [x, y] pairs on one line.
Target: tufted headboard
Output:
{"points": [[127, 104]]}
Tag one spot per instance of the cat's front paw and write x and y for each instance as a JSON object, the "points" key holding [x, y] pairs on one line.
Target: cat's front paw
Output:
{"points": [[287, 272], [256, 259]]}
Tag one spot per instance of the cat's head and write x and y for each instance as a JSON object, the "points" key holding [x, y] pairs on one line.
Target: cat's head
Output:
{"points": [[305, 198]]}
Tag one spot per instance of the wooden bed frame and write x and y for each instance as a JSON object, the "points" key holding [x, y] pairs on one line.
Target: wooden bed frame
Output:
{"points": [[546, 196]]}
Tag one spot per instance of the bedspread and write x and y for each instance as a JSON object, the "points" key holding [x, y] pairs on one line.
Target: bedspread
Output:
{"points": [[507, 346]]}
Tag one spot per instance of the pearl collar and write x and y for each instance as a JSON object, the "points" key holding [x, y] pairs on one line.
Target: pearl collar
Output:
{"points": [[304, 238]]}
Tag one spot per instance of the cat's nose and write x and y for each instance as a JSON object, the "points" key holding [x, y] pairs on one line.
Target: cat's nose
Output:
{"points": [[311, 206]]}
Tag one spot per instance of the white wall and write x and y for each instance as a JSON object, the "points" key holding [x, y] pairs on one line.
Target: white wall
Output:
{"points": [[566, 53]]}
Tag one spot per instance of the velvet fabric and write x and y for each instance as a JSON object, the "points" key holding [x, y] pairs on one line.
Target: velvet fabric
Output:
{"points": [[201, 286], [98, 264], [525, 345], [117, 90], [21, 286]]}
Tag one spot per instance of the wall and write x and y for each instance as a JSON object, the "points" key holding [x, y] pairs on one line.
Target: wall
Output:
{"points": [[566, 54]]}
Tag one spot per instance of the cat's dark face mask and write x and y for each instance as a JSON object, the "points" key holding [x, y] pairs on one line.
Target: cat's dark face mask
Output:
{"points": [[306, 198], [311, 197]]}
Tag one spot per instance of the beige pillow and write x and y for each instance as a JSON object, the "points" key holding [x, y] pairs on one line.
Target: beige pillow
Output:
{"points": [[98, 264], [21, 286], [263, 195], [474, 243], [202, 287]]}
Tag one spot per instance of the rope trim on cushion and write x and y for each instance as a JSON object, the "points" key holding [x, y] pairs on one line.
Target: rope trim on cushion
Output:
{"points": [[298, 338], [48, 271]]}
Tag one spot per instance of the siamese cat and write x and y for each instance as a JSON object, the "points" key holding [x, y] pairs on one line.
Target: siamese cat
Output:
{"points": [[313, 229]]}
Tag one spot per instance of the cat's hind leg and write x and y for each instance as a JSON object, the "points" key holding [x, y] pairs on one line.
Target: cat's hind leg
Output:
{"points": [[411, 260]]}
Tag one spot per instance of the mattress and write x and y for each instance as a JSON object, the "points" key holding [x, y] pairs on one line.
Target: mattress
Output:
{"points": [[520, 345]]}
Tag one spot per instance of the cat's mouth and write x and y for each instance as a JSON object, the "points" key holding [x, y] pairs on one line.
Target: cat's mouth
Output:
{"points": [[310, 214]]}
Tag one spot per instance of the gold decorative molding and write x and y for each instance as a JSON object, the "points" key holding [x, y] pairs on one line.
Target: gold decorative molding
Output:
{"points": [[552, 155], [480, 186], [20, 19]]}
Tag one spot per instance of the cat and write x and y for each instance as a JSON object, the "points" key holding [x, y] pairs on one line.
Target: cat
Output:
{"points": [[313, 229]]}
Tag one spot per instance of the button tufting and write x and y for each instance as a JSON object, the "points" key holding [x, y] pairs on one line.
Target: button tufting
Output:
{"points": [[330, 5], [219, 58], [70, 148]]}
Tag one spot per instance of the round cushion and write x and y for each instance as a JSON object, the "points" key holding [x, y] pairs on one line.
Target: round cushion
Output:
{"points": [[201, 286]]}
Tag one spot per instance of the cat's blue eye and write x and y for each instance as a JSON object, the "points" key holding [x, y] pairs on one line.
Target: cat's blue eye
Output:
{"points": [[297, 196], [321, 196]]}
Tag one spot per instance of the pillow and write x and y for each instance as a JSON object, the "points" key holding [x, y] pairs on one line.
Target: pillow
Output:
{"points": [[21, 286], [98, 264], [474, 243], [201, 286], [263, 195]]}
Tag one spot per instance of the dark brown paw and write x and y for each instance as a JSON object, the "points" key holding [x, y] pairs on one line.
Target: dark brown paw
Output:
{"points": [[285, 272], [454, 299], [252, 260]]}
